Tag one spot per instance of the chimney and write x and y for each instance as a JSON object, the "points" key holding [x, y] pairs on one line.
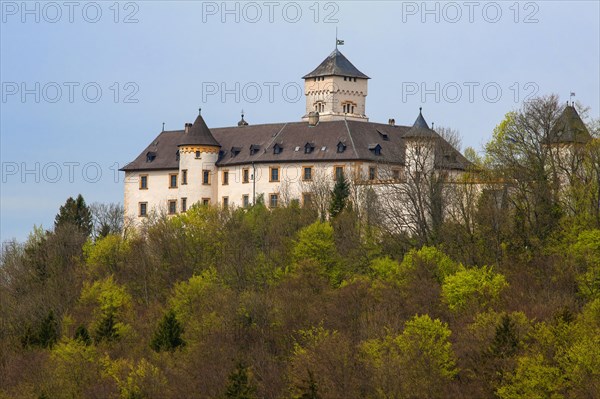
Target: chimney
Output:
{"points": [[313, 118], [392, 122], [187, 127]]}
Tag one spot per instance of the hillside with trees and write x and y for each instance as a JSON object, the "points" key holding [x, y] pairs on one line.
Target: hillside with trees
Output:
{"points": [[496, 294]]}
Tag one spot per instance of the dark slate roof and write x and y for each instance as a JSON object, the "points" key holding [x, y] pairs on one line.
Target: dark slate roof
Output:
{"points": [[358, 137], [569, 128], [199, 134], [164, 146], [336, 64], [420, 129]]}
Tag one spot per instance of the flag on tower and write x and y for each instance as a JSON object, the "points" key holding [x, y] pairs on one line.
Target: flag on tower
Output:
{"points": [[340, 42]]}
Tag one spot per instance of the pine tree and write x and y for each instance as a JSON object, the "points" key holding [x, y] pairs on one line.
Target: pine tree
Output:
{"points": [[339, 196], [82, 335], [506, 340], [107, 330], [167, 336], [75, 212], [239, 384], [48, 332]]}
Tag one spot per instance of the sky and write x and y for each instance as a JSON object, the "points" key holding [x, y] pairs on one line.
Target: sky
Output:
{"points": [[87, 85]]}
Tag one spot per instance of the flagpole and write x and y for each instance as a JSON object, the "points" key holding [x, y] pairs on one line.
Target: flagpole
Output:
{"points": [[336, 39]]}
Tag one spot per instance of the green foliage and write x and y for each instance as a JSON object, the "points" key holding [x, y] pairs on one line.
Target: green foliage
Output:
{"points": [[316, 243], [385, 269], [339, 196], [82, 335], [506, 340], [586, 251], [240, 384], [534, 379], [478, 286], [419, 362], [437, 263], [111, 308], [105, 255], [167, 336], [75, 212]]}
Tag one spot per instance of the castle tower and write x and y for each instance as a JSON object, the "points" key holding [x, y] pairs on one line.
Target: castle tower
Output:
{"points": [[336, 89], [198, 155], [420, 146]]}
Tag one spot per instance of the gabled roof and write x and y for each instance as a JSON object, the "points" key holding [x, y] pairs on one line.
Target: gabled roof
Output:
{"points": [[336, 64], [199, 134], [569, 128]]}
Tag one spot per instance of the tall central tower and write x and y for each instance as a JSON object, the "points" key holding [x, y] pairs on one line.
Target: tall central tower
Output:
{"points": [[336, 89]]}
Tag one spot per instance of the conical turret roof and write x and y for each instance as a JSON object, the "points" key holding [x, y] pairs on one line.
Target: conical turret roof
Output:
{"points": [[569, 128], [336, 64], [420, 128], [199, 134]]}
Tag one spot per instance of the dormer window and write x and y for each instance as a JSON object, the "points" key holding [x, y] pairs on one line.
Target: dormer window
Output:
{"points": [[375, 149], [254, 148], [277, 149], [177, 155], [309, 147], [341, 147], [150, 156], [383, 135], [235, 151]]}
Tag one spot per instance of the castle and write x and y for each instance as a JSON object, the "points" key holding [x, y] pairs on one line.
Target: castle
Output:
{"points": [[280, 162]]}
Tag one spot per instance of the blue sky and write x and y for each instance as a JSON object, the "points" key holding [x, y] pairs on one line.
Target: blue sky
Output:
{"points": [[86, 86]]}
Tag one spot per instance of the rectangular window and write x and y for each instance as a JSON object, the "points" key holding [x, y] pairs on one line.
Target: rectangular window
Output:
{"points": [[206, 201], [197, 154], [274, 175], [225, 177], [307, 173], [143, 209], [173, 180], [339, 172], [306, 199], [396, 174], [206, 176], [172, 207], [273, 200], [372, 173], [245, 175], [246, 200], [143, 182], [184, 176], [225, 202], [183, 204]]}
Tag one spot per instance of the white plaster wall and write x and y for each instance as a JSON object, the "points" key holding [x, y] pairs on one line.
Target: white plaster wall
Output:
{"points": [[157, 195], [334, 91]]}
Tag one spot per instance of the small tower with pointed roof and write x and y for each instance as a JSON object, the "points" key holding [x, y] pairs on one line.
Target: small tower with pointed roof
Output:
{"points": [[336, 89], [198, 155], [420, 141]]}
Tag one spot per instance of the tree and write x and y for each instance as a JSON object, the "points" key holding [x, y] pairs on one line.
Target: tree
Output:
{"points": [[316, 243], [107, 219], [519, 154], [82, 335], [240, 386], [167, 336], [339, 196], [472, 287], [419, 362], [75, 212]]}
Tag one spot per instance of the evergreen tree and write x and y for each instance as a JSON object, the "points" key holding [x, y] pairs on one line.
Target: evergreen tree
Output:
{"points": [[239, 384], [107, 330], [75, 212], [506, 340], [339, 196], [48, 333], [167, 336], [82, 334]]}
